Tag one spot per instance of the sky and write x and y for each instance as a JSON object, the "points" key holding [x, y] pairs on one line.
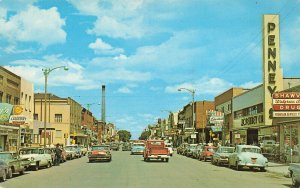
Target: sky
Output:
{"points": [[143, 50]]}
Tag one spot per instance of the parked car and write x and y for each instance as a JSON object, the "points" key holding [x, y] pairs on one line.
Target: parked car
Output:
{"points": [[14, 162], [70, 153], [294, 170], [38, 157], [83, 150], [181, 148], [170, 148], [220, 157], [247, 156], [197, 151], [189, 150], [3, 170], [76, 149], [114, 146], [126, 146], [207, 153], [156, 149], [99, 153]]}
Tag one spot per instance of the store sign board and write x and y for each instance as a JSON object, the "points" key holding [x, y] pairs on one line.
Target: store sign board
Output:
{"points": [[286, 104], [286, 114], [5, 111], [17, 119]]}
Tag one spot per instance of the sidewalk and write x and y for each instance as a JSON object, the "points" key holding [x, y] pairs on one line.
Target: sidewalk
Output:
{"points": [[279, 169]]}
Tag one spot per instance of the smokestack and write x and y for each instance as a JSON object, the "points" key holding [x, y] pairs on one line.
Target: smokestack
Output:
{"points": [[103, 104]]}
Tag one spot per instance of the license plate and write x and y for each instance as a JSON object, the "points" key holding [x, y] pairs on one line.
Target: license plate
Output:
{"points": [[253, 161]]}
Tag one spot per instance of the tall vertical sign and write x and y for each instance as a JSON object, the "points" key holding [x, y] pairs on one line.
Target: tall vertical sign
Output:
{"points": [[272, 71]]}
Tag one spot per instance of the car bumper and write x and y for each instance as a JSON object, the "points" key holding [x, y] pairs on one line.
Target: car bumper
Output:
{"points": [[158, 157], [253, 165], [137, 152], [99, 158]]}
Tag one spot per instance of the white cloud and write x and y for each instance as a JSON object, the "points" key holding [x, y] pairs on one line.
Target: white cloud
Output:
{"points": [[34, 25], [111, 27], [204, 85], [100, 47], [90, 8], [120, 57], [250, 85], [126, 90]]}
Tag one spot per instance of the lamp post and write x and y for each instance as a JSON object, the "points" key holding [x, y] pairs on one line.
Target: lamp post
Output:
{"points": [[46, 72], [192, 91]]}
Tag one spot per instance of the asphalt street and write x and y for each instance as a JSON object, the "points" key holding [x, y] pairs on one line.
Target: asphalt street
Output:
{"points": [[130, 171]]}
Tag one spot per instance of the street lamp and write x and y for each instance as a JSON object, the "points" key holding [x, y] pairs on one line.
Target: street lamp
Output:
{"points": [[192, 91], [46, 72]]}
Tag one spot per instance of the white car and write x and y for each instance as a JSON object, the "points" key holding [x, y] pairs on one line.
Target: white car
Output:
{"points": [[38, 157], [170, 148]]}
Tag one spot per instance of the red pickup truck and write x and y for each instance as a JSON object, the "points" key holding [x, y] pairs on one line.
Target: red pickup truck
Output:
{"points": [[156, 149]]}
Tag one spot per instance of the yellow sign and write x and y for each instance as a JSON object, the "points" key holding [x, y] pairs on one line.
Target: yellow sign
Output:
{"points": [[18, 110]]}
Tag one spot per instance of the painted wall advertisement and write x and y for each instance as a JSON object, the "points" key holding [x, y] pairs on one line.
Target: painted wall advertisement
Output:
{"points": [[5, 112]]}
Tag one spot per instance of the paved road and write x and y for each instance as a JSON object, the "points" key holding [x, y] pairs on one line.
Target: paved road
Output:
{"points": [[126, 171]]}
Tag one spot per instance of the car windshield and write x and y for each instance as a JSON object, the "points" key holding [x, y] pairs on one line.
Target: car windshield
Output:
{"points": [[5, 156], [100, 148], [251, 150], [226, 150], [29, 151]]}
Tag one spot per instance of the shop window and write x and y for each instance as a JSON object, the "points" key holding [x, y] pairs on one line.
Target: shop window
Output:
{"points": [[8, 98], [58, 118], [35, 116], [260, 108], [16, 100]]}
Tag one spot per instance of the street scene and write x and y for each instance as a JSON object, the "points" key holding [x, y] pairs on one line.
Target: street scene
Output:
{"points": [[127, 170], [141, 93]]}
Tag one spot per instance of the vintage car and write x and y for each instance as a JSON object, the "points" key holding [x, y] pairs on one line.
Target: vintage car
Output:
{"points": [[196, 152], [156, 149], [207, 153], [83, 150], [114, 146], [220, 157], [3, 170], [14, 162], [77, 153], [181, 148], [70, 153], [126, 146], [38, 157], [137, 150], [294, 170], [189, 150], [247, 156], [99, 153], [170, 148]]}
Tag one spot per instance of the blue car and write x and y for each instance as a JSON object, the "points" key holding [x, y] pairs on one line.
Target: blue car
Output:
{"points": [[137, 150]]}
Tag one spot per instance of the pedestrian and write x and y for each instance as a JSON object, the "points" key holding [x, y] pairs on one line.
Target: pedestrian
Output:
{"points": [[57, 155]]}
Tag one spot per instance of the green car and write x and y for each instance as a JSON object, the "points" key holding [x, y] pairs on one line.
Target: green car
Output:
{"points": [[15, 163]]}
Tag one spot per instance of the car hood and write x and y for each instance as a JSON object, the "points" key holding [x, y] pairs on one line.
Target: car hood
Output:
{"points": [[28, 156]]}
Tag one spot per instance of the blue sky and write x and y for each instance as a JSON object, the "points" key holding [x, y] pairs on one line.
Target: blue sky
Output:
{"points": [[143, 50]]}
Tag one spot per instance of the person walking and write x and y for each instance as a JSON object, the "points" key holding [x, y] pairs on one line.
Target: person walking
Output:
{"points": [[57, 155]]}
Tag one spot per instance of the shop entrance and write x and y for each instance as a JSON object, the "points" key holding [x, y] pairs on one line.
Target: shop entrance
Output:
{"points": [[252, 136]]}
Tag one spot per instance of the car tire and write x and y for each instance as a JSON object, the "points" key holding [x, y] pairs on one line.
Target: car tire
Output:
{"points": [[3, 178], [90, 161], [294, 181], [36, 167], [48, 165], [9, 173], [237, 167], [167, 160], [22, 172], [262, 169], [204, 159]]}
